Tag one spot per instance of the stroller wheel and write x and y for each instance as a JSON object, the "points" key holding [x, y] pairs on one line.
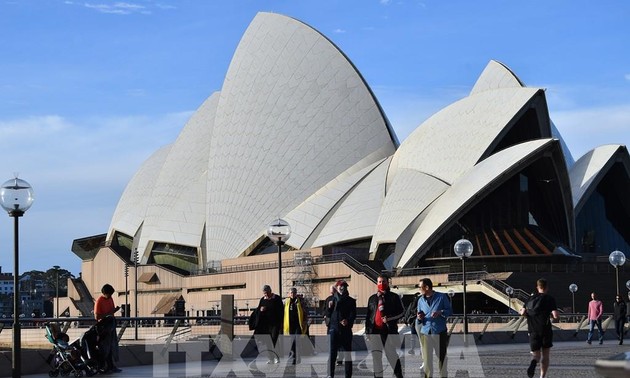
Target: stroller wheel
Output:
{"points": [[53, 373]]}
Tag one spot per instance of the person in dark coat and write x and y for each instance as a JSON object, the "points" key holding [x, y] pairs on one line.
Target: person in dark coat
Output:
{"points": [[384, 310], [270, 319], [620, 312], [342, 314]]}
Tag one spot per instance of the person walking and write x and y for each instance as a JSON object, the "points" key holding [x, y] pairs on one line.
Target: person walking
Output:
{"points": [[295, 323], [537, 309], [384, 310], [595, 312], [328, 304], [104, 311], [410, 320], [620, 312], [342, 314], [432, 310], [269, 324]]}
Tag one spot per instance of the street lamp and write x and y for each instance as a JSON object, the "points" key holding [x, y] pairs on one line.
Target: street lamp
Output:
{"points": [[56, 268], [135, 292], [279, 232], [509, 291], [617, 259], [450, 293], [126, 313], [463, 249], [16, 196], [573, 288]]}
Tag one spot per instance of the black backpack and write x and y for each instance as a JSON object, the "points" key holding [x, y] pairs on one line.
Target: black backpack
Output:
{"points": [[534, 305]]}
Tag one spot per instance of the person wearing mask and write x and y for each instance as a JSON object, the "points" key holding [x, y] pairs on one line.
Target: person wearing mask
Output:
{"points": [[432, 311], [295, 322], [538, 309], [342, 314], [270, 317], [328, 303], [620, 312], [595, 312], [384, 310], [104, 310]]}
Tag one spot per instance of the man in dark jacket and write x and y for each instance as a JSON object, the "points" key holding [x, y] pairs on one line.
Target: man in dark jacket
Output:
{"points": [[342, 314], [384, 310], [620, 312], [270, 318]]}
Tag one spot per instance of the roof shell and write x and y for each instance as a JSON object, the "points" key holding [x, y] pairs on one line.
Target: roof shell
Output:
{"points": [[464, 192], [588, 170]]}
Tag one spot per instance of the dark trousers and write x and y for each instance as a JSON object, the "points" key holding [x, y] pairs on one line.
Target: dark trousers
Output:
{"points": [[619, 324], [270, 343], [378, 345], [295, 333], [336, 341], [438, 344]]}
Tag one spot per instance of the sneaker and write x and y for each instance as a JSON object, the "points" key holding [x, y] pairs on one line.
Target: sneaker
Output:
{"points": [[531, 368], [588, 342], [601, 342], [339, 363]]}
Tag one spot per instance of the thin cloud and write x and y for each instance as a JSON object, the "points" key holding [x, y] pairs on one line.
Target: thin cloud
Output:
{"points": [[120, 8], [385, 2], [339, 31], [627, 76]]}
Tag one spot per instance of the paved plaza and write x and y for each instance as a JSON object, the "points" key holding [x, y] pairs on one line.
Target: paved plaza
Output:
{"points": [[570, 359]]}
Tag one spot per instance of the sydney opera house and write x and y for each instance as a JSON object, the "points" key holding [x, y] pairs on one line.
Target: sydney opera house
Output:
{"points": [[295, 132]]}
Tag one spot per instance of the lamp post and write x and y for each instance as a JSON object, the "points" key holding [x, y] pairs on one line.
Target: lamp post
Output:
{"points": [[135, 292], [16, 196], [509, 291], [450, 293], [573, 288], [617, 259], [279, 232], [56, 268], [463, 249], [127, 312]]}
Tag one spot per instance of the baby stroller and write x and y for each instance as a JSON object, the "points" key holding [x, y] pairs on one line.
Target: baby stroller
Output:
{"points": [[75, 358]]}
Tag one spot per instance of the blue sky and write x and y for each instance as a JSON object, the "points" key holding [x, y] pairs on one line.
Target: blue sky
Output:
{"points": [[89, 89]]}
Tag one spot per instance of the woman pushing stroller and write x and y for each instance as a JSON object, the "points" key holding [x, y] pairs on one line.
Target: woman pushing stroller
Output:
{"points": [[106, 325]]}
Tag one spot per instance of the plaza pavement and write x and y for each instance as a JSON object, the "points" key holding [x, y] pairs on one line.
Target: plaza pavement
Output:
{"points": [[569, 359]]}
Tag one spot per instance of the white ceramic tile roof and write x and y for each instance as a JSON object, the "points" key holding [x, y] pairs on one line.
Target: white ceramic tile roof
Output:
{"points": [[410, 193], [456, 138], [496, 75], [355, 216], [293, 115], [586, 170], [176, 210], [486, 175], [131, 208]]}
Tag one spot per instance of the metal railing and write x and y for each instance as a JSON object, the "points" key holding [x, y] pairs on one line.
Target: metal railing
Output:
{"points": [[163, 329]]}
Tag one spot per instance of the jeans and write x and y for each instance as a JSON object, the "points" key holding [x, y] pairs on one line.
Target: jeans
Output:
{"points": [[591, 327]]}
